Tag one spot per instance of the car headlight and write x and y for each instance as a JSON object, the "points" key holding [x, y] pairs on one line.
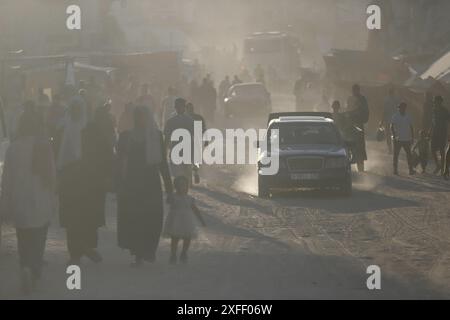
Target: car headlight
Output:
{"points": [[282, 164], [340, 162]]}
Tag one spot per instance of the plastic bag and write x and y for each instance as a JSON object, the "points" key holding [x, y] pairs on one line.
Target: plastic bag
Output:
{"points": [[381, 134]]}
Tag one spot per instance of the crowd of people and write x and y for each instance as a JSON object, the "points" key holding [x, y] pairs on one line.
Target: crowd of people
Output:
{"points": [[432, 136], [68, 152], [397, 128]]}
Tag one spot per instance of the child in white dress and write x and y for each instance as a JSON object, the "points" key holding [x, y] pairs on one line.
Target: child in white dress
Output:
{"points": [[180, 221]]}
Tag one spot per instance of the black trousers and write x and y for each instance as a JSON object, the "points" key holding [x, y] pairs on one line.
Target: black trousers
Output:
{"points": [[423, 158], [80, 240], [406, 145], [31, 247]]}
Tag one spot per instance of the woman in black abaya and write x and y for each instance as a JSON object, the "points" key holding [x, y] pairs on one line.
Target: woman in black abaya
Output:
{"points": [[142, 163]]}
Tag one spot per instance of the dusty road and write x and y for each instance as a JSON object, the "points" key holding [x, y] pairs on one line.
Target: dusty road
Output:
{"points": [[291, 246]]}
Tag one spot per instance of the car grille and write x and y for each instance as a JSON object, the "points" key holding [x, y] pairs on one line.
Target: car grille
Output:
{"points": [[304, 163]]}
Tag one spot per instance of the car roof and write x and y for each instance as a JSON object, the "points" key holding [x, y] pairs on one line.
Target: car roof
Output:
{"points": [[290, 119]]}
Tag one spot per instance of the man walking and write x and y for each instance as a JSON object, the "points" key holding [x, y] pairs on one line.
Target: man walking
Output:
{"points": [[439, 133], [403, 136], [389, 109], [358, 109]]}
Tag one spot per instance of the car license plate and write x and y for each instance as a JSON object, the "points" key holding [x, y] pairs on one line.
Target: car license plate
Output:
{"points": [[305, 176]]}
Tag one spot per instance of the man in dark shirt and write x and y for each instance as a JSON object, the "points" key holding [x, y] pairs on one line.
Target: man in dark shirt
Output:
{"points": [[439, 133], [359, 112], [195, 116]]}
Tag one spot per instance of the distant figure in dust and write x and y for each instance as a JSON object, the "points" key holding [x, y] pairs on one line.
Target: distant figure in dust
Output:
{"points": [[180, 222], [168, 105], [245, 75], [126, 120], [439, 133], [181, 120], [224, 86], [43, 101], [208, 99], [359, 114], [236, 80], [28, 195], [142, 162], [195, 116], [146, 99], [391, 103], [403, 136]]}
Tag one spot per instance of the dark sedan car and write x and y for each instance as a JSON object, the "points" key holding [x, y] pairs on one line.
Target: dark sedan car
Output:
{"points": [[247, 99], [311, 154]]}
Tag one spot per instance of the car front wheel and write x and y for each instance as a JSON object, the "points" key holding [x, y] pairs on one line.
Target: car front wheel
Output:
{"points": [[347, 188], [263, 188]]}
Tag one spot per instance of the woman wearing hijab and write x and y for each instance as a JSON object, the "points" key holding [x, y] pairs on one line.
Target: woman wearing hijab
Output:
{"points": [[28, 194], [97, 157], [142, 163], [71, 184]]}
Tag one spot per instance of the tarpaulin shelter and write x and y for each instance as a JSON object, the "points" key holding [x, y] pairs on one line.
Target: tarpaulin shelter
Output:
{"points": [[164, 67], [434, 79], [364, 66], [439, 70], [51, 71]]}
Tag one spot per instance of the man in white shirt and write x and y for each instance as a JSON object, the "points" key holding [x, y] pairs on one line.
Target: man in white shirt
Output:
{"points": [[403, 136]]}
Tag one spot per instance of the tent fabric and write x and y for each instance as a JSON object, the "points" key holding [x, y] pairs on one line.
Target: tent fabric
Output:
{"points": [[439, 70]]}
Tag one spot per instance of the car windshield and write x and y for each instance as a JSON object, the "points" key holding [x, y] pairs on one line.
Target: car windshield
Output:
{"points": [[305, 133]]}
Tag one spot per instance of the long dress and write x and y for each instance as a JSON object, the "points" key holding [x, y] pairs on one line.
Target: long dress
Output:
{"points": [[97, 163], [84, 184], [140, 197]]}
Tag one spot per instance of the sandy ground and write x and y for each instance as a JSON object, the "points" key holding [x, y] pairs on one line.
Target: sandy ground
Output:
{"points": [[294, 245]]}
